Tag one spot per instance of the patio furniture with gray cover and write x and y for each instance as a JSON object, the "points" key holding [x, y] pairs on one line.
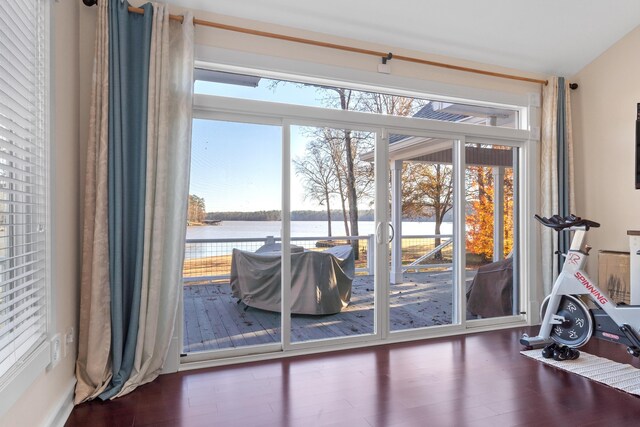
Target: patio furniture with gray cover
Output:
{"points": [[491, 292], [320, 280]]}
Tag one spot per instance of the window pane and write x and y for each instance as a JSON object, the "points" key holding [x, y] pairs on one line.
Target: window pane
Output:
{"points": [[332, 231], [259, 88], [491, 224], [232, 268], [422, 193]]}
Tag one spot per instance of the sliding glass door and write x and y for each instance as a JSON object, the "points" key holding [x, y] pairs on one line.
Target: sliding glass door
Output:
{"points": [[422, 287], [232, 270], [332, 199], [241, 252], [310, 228], [491, 193]]}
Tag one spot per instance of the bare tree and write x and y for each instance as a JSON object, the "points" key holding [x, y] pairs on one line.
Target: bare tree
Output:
{"points": [[344, 100], [389, 104], [353, 177], [318, 177], [331, 142]]}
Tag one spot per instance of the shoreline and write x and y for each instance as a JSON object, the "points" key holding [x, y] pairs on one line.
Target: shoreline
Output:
{"points": [[220, 265]]}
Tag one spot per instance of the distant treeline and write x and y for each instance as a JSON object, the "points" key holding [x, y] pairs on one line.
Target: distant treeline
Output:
{"points": [[364, 215], [245, 216], [336, 215]]}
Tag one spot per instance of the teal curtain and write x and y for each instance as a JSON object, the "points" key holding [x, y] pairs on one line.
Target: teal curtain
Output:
{"points": [[129, 48], [563, 168]]}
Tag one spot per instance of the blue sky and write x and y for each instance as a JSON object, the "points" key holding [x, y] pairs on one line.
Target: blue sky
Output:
{"points": [[237, 166], [284, 92]]}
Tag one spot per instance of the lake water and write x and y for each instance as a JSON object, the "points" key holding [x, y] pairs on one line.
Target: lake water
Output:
{"points": [[262, 229]]}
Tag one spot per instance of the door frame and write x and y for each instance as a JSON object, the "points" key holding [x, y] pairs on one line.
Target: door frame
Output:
{"points": [[263, 112]]}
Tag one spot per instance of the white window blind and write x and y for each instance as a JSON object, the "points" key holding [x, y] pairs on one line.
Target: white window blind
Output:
{"points": [[23, 181]]}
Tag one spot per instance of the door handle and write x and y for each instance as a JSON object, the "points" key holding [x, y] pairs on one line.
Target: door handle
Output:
{"points": [[379, 233]]}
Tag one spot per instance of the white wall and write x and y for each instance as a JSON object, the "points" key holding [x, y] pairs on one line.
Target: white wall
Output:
{"points": [[320, 55], [604, 114], [51, 390]]}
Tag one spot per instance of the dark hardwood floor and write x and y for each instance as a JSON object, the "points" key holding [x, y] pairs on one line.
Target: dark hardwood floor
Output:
{"points": [[473, 380]]}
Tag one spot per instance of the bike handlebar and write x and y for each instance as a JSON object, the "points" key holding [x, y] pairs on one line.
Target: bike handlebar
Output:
{"points": [[559, 223]]}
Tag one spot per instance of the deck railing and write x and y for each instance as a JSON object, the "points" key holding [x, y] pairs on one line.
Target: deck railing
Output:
{"points": [[208, 260]]}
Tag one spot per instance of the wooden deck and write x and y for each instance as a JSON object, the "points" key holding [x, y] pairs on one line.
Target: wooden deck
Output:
{"points": [[214, 320]]}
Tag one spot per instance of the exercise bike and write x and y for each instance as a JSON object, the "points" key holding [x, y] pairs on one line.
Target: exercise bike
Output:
{"points": [[567, 323]]}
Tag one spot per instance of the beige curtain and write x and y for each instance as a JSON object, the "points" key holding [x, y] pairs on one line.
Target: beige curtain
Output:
{"points": [[93, 366], [167, 175], [549, 179], [168, 163]]}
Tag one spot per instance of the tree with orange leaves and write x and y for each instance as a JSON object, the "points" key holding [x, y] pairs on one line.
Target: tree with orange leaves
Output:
{"points": [[480, 222]]}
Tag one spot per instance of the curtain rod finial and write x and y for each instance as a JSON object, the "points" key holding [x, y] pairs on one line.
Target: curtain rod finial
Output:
{"points": [[573, 86], [90, 2]]}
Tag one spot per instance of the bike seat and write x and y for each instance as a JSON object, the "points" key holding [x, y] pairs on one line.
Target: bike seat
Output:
{"points": [[559, 223]]}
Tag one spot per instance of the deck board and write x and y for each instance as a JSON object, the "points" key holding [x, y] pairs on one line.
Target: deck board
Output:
{"points": [[214, 319], [192, 334], [209, 338]]}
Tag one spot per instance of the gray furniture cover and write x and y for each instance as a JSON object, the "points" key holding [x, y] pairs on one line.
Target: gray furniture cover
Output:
{"points": [[320, 281], [271, 248], [491, 291]]}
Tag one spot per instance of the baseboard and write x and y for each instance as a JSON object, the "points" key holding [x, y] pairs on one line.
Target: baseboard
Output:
{"points": [[62, 409]]}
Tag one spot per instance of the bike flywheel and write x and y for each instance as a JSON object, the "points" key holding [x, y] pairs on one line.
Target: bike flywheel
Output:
{"points": [[577, 327]]}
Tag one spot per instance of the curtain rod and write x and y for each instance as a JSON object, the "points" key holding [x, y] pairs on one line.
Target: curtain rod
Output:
{"points": [[384, 55]]}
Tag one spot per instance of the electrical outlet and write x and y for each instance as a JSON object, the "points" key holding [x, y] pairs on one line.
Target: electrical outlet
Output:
{"points": [[56, 349]]}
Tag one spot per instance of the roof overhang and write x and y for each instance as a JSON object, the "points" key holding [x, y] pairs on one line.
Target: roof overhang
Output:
{"points": [[440, 151]]}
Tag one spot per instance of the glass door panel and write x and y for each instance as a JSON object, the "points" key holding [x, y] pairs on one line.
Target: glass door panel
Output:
{"points": [[332, 233], [491, 228], [232, 267], [421, 292]]}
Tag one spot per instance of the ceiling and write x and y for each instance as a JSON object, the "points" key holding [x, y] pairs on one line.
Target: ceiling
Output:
{"points": [[544, 36]]}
